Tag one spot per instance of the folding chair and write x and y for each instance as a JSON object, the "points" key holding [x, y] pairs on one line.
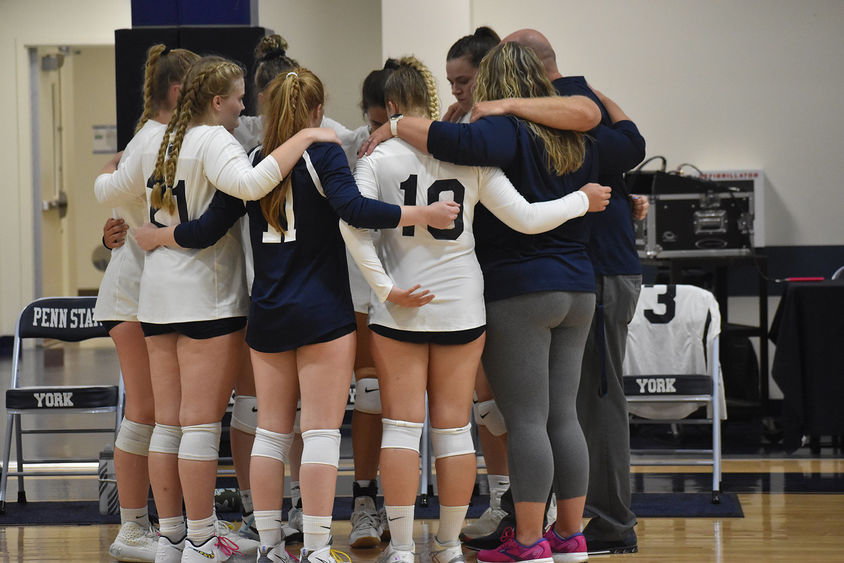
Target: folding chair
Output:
{"points": [[672, 368], [68, 319]]}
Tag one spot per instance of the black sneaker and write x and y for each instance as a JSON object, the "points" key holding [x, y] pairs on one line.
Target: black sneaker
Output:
{"points": [[628, 544]]}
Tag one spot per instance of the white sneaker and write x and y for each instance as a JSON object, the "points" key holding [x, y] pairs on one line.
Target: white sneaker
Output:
{"points": [[169, 552], [247, 528], [485, 525], [324, 555], [393, 555], [445, 554], [134, 543], [275, 554], [365, 525], [292, 531], [241, 545], [215, 548]]}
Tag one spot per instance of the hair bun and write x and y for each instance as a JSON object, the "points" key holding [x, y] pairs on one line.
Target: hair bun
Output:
{"points": [[271, 47], [486, 33], [391, 64]]}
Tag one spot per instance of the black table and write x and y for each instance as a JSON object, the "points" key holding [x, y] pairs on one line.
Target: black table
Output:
{"points": [[808, 366]]}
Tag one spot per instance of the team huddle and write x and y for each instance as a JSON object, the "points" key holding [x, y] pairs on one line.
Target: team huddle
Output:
{"points": [[445, 268]]}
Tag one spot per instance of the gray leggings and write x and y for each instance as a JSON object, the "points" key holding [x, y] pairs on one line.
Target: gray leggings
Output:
{"points": [[533, 354]]}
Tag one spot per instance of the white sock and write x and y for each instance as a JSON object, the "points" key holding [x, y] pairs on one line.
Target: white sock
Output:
{"points": [[139, 516], [295, 493], [498, 485], [451, 520], [317, 531], [173, 528], [246, 501], [400, 519], [200, 531], [268, 523]]}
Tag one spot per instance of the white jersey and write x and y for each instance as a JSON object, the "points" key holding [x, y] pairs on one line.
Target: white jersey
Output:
{"points": [[672, 330], [351, 141], [117, 299], [442, 261], [249, 131], [184, 285]]}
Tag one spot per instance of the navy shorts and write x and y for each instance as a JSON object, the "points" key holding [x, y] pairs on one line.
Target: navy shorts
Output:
{"points": [[448, 338], [109, 325], [198, 330]]}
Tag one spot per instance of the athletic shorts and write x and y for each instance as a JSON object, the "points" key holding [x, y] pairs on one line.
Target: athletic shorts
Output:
{"points": [[266, 343], [449, 338], [109, 325], [198, 330]]}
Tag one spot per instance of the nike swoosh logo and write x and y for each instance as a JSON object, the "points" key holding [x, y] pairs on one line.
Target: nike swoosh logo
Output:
{"points": [[325, 527], [370, 390], [484, 415], [396, 518], [254, 409], [204, 553]]}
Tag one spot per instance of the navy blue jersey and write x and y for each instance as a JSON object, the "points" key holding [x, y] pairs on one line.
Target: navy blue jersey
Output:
{"points": [[301, 290], [223, 212], [514, 263], [612, 245]]}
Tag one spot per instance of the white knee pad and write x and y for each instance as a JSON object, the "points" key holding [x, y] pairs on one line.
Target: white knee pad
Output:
{"points": [[487, 414], [272, 444], [321, 446], [133, 437], [245, 414], [367, 396], [165, 439], [201, 442], [400, 434], [449, 442]]}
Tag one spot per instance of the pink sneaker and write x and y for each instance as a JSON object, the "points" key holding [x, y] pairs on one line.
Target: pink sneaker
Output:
{"points": [[567, 550], [512, 551]]}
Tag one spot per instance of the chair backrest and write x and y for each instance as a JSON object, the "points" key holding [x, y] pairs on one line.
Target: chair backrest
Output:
{"points": [[671, 331], [69, 319]]}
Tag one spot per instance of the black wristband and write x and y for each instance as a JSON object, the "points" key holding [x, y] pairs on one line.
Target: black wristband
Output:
{"points": [[104, 244]]}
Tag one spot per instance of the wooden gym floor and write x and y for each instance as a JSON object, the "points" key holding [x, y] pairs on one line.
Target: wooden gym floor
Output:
{"points": [[793, 510]]}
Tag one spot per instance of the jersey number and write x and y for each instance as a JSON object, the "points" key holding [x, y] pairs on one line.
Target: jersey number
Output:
{"points": [[668, 300], [271, 235], [181, 203], [434, 190]]}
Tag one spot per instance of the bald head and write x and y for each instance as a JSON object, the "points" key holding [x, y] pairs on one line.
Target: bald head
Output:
{"points": [[540, 45]]}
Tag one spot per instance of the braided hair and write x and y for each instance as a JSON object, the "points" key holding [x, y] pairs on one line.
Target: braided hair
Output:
{"points": [[290, 100], [412, 85], [208, 77], [163, 68]]}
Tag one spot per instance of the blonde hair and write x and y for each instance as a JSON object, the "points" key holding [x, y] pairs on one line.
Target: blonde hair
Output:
{"points": [[163, 68], [207, 78], [411, 85], [511, 70], [290, 99]]}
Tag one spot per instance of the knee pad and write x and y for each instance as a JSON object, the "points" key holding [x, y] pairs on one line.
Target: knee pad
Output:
{"points": [[133, 437], [400, 434], [201, 442], [367, 396], [165, 439], [272, 444], [449, 442], [487, 414], [321, 446], [245, 414]]}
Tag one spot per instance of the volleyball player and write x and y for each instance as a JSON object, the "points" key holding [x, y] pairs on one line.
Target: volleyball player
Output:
{"points": [[193, 321], [117, 309], [436, 348], [461, 66]]}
